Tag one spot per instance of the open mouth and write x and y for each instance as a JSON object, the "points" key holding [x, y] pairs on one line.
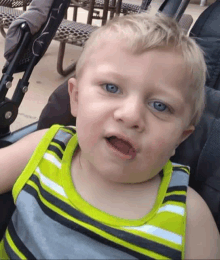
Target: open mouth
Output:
{"points": [[122, 146]]}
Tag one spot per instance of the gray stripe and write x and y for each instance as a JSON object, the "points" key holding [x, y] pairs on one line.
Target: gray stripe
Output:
{"points": [[179, 178], [48, 239], [63, 136]]}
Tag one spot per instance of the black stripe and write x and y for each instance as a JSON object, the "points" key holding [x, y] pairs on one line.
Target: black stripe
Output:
{"points": [[177, 188], [126, 236], [56, 150], [10, 252], [20, 245], [71, 129], [177, 198], [63, 146]]}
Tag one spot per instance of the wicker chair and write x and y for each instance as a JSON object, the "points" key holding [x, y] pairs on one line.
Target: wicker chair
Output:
{"points": [[113, 7], [15, 3]]}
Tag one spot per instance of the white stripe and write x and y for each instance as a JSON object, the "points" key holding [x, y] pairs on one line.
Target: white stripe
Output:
{"points": [[159, 232], [172, 208], [52, 185], [52, 159]]}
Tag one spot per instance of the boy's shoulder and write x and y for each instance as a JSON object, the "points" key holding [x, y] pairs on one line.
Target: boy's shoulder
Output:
{"points": [[202, 236], [15, 157]]}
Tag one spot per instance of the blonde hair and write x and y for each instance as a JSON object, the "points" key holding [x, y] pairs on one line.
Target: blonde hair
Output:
{"points": [[143, 32]]}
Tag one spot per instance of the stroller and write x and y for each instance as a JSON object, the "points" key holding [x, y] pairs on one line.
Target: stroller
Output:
{"points": [[200, 151]]}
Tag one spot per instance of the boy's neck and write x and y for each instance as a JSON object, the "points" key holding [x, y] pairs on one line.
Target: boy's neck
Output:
{"points": [[121, 197]]}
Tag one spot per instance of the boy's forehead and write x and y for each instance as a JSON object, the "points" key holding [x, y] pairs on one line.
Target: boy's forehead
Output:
{"points": [[102, 51], [111, 52], [108, 46]]}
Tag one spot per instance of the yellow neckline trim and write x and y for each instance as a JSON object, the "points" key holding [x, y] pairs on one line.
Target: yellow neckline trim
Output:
{"points": [[83, 206]]}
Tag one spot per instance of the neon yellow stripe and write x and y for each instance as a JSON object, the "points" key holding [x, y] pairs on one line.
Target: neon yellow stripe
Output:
{"points": [[168, 221], [3, 254], [176, 193], [186, 169], [34, 161], [58, 146], [184, 233], [167, 170], [13, 246], [51, 170]]}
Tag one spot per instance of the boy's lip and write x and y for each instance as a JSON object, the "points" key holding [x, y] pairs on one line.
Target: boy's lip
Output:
{"points": [[125, 138]]}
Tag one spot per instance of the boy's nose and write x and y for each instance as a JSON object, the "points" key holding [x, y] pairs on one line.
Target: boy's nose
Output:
{"points": [[131, 114]]}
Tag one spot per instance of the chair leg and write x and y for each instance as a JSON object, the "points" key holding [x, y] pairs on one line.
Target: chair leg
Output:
{"points": [[203, 2], [112, 13], [24, 5], [60, 58], [75, 11]]}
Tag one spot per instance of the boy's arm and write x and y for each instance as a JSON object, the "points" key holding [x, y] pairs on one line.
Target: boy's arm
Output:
{"points": [[202, 236], [14, 158]]}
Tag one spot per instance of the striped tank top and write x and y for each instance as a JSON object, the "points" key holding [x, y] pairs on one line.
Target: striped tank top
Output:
{"points": [[52, 221]]}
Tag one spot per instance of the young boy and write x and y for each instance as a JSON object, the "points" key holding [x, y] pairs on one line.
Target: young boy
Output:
{"points": [[110, 191]]}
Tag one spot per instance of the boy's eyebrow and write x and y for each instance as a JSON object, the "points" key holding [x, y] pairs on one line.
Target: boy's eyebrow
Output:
{"points": [[172, 97], [107, 70], [114, 74], [165, 89]]}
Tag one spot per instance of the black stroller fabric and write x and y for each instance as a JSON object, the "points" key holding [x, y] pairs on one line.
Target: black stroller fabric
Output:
{"points": [[201, 150], [57, 110]]}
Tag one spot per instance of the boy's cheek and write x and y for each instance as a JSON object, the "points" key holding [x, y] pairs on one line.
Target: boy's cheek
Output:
{"points": [[162, 148]]}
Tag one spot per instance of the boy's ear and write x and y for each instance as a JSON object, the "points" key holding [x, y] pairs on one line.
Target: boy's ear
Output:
{"points": [[186, 133], [73, 94]]}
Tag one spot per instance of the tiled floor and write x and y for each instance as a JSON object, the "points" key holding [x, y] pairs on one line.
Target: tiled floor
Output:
{"points": [[45, 79]]}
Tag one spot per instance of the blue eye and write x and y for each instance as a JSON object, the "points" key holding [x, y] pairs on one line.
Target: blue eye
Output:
{"points": [[159, 106], [111, 88]]}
